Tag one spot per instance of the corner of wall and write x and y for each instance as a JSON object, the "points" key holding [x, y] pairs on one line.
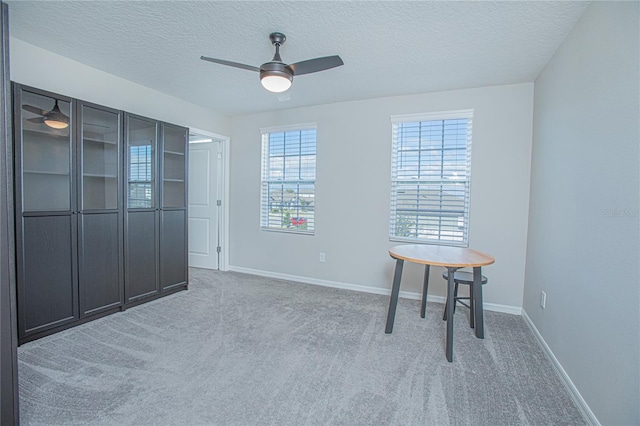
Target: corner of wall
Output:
{"points": [[562, 374]]}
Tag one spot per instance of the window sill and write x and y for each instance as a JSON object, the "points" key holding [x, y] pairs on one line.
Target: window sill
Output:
{"points": [[430, 242], [288, 231]]}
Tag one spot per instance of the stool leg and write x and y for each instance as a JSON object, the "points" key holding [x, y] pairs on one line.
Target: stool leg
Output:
{"points": [[446, 303], [425, 287], [446, 306], [455, 295], [471, 307]]}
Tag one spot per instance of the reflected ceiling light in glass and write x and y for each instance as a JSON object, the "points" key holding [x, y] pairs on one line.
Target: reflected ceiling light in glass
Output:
{"points": [[56, 118]]}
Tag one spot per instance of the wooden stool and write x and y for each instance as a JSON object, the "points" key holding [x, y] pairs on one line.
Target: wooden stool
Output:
{"points": [[466, 278]]}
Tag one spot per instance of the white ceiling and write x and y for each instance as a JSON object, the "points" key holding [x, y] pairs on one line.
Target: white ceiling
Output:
{"points": [[388, 47]]}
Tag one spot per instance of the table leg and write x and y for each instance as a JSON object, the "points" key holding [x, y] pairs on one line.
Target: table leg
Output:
{"points": [[393, 302], [425, 286], [477, 302], [450, 304]]}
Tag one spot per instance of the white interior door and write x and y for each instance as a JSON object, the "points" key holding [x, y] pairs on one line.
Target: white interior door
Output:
{"points": [[205, 165]]}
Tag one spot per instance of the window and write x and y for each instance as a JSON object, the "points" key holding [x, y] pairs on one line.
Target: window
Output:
{"points": [[430, 177], [288, 179]]}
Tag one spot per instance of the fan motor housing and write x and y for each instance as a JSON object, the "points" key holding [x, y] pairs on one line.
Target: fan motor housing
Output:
{"points": [[276, 68]]}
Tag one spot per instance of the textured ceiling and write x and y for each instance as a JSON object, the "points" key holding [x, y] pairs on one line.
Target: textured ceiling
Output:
{"points": [[389, 48]]}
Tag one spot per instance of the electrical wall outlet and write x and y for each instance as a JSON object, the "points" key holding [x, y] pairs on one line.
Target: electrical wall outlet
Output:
{"points": [[322, 257], [543, 299]]}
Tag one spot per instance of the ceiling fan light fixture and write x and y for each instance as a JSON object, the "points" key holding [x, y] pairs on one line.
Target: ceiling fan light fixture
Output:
{"points": [[275, 83], [276, 77]]}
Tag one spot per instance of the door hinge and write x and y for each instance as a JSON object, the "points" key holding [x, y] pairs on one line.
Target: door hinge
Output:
{"points": [[218, 249], [219, 202]]}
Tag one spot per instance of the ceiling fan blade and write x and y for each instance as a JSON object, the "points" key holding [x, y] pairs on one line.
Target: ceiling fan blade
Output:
{"points": [[33, 109], [315, 65], [231, 64], [38, 120]]}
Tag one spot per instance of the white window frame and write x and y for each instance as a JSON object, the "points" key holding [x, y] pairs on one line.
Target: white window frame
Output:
{"points": [[463, 183], [265, 181]]}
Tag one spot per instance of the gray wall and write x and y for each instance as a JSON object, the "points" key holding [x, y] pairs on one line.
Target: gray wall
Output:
{"points": [[583, 243], [353, 192]]}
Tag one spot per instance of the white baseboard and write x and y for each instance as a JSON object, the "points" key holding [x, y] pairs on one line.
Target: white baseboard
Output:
{"points": [[514, 310], [564, 377]]}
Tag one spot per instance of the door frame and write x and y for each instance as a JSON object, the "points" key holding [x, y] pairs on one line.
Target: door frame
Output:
{"points": [[223, 216], [9, 411]]}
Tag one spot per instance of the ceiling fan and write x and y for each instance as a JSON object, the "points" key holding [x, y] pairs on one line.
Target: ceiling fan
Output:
{"points": [[54, 118], [276, 76]]}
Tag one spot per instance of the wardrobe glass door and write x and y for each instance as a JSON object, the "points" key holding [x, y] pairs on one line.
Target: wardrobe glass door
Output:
{"points": [[141, 164], [100, 254], [46, 211], [174, 170], [100, 142], [46, 153]]}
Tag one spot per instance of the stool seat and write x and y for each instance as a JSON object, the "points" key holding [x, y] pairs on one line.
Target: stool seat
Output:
{"points": [[463, 277], [466, 278]]}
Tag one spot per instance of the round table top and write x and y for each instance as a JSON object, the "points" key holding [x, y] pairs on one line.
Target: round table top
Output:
{"points": [[448, 256]]}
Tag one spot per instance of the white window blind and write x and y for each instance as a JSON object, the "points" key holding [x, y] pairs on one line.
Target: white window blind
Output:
{"points": [[431, 176], [288, 179]]}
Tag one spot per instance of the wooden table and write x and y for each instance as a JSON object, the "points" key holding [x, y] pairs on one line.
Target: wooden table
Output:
{"points": [[452, 258]]}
